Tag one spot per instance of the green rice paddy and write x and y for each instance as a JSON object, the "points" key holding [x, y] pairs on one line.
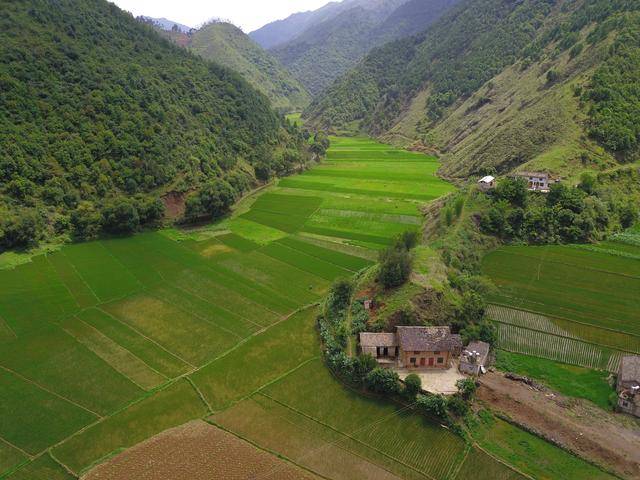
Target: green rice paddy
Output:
{"points": [[574, 304], [105, 344]]}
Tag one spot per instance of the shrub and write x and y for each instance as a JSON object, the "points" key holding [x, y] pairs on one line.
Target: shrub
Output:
{"points": [[412, 385], [381, 380], [339, 296]]}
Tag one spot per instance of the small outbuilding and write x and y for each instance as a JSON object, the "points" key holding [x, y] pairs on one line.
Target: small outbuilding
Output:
{"points": [[474, 358], [487, 183], [628, 386]]}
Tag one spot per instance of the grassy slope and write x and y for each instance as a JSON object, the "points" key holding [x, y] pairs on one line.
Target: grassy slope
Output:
{"points": [[567, 379], [228, 45], [528, 124]]}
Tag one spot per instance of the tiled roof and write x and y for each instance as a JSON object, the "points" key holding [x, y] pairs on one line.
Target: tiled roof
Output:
{"points": [[629, 369], [378, 340], [427, 339]]}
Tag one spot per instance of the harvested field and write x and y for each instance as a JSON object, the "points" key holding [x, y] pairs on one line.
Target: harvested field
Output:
{"points": [[196, 451]]}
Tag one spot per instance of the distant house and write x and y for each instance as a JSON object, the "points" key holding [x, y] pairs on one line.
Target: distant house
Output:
{"points": [[474, 358], [628, 386], [487, 183], [413, 347], [537, 181]]}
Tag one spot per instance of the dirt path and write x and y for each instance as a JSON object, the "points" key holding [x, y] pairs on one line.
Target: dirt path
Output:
{"points": [[607, 439]]}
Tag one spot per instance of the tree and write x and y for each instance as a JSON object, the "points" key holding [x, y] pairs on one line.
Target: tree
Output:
{"points": [[339, 296], [467, 388], [120, 216], [86, 221], [382, 380], [212, 201], [412, 385], [513, 190], [362, 366], [20, 231], [407, 240], [395, 267], [457, 406], [435, 405]]}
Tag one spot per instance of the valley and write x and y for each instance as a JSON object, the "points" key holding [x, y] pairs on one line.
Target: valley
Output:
{"points": [[378, 239], [108, 343]]}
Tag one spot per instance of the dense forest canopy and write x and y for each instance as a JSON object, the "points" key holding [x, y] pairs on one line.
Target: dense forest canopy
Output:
{"points": [[95, 105]]}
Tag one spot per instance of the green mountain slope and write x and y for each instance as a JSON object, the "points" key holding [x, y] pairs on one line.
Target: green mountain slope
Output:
{"points": [[328, 48], [230, 46], [501, 84], [95, 105]]}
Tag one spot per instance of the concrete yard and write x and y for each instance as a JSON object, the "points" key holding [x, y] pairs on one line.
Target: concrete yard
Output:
{"points": [[436, 380]]}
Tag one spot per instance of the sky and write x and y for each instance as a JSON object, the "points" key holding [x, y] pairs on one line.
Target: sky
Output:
{"points": [[247, 14]]}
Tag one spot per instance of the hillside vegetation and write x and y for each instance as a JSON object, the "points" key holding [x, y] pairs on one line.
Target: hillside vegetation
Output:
{"points": [[95, 106], [335, 39], [499, 84], [228, 45]]}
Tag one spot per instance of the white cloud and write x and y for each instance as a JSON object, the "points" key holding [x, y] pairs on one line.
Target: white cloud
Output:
{"points": [[247, 14]]}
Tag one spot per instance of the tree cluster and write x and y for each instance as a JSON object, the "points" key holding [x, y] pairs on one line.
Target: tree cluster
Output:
{"points": [[564, 215], [396, 261]]}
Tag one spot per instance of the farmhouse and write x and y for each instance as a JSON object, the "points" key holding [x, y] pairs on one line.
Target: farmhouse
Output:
{"points": [[487, 183], [628, 386], [413, 347], [537, 181], [474, 358]]}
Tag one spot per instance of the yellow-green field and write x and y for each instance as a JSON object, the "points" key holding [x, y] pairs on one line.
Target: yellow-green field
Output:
{"points": [[105, 344]]}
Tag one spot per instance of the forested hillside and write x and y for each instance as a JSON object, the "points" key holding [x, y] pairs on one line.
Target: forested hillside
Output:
{"points": [[497, 83], [230, 46], [95, 107], [331, 44]]}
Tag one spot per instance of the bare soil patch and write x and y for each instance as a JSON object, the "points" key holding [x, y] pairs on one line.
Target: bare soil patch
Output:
{"points": [[174, 204], [607, 439], [196, 451]]}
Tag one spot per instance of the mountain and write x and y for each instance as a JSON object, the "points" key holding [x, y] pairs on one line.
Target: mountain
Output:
{"points": [[95, 107], [330, 44], [229, 46], [536, 84], [166, 24], [282, 31]]}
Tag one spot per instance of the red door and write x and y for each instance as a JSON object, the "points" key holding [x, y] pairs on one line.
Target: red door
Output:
{"points": [[422, 362], [431, 362]]}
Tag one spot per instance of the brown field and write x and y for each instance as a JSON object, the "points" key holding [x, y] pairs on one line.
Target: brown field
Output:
{"points": [[196, 451]]}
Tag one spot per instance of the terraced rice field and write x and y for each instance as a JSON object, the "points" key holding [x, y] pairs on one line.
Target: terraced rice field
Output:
{"points": [[106, 344], [574, 304]]}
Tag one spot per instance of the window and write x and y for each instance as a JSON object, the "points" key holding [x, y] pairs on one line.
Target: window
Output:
{"points": [[416, 353], [413, 360], [440, 360], [436, 353]]}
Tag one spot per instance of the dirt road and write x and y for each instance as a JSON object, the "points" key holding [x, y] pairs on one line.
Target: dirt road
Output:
{"points": [[608, 439]]}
